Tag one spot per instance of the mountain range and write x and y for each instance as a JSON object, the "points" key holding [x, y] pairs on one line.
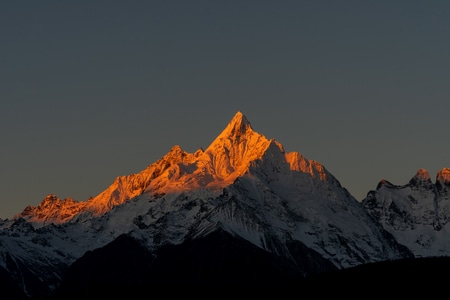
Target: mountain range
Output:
{"points": [[242, 212]]}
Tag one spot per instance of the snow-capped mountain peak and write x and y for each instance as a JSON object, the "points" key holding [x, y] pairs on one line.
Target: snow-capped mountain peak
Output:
{"points": [[238, 125], [230, 154], [244, 185], [227, 157]]}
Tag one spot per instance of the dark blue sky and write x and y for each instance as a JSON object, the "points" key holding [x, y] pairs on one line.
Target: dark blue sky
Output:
{"points": [[96, 89]]}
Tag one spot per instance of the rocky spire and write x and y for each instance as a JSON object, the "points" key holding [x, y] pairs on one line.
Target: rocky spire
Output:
{"points": [[238, 126], [443, 176], [421, 179], [235, 147], [443, 180]]}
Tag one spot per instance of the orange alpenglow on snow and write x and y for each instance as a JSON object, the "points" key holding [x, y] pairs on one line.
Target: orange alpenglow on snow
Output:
{"points": [[443, 176], [229, 156]]}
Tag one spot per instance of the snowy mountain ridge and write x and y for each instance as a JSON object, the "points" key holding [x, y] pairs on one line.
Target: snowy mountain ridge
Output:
{"points": [[227, 158], [243, 185], [417, 214]]}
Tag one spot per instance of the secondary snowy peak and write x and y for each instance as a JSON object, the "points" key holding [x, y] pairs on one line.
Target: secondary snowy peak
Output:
{"points": [[51, 210], [177, 155], [154, 178], [421, 179], [443, 177], [297, 162], [384, 183]]}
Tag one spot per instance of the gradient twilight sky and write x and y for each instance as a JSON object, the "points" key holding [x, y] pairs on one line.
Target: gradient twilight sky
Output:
{"points": [[96, 89]]}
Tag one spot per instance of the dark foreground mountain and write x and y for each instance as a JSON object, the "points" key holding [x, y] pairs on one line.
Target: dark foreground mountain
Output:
{"points": [[220, 262], [125, 267], [242, 213]]}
